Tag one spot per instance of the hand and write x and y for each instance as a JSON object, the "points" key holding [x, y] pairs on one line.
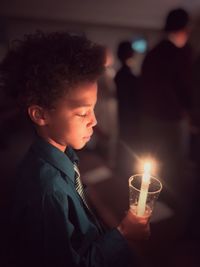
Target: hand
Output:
{"points": [[134, 228]]}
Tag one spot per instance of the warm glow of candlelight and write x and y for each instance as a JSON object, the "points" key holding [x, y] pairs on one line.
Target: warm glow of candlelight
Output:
{"points": [[144, 189]]}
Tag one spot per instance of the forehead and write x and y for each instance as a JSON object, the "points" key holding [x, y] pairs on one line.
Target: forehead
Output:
{"points": [[83, 95]]}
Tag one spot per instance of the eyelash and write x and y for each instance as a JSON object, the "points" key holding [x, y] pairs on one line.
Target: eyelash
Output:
{"points": [[82, 116], [85, 114]]}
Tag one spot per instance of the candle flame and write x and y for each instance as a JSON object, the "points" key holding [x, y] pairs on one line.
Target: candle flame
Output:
{"points": [[147, 163]]}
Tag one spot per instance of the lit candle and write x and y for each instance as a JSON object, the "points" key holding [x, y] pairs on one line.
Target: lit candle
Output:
{"points": [[144, 189]]}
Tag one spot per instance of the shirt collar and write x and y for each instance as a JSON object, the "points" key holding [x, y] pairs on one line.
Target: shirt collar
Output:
{"points": [[61, 160]]}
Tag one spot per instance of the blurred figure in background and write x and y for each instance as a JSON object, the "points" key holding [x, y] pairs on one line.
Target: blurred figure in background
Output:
{"points": [[106, 113], [195, 140], [193, 231], [126, 85], [166, 82]]}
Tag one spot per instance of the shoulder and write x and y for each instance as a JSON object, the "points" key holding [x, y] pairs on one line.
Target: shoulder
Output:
{"points": [[37, 174], [164, 51], [123, 74], [161, 47]]}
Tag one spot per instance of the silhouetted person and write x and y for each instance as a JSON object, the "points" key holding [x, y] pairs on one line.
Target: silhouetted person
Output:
{"points": [[126, 84], [193, 231], [166, 99], [126, 88], [106, 112], [196, 110]]}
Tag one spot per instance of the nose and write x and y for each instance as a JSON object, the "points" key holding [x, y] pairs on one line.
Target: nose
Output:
{"points": [[93, 120]]}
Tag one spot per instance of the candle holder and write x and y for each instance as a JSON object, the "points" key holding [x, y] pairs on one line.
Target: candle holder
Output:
{"points": [[154, 189]]}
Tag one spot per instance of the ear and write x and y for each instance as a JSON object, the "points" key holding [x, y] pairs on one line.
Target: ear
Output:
{"points": [[38, 115]]}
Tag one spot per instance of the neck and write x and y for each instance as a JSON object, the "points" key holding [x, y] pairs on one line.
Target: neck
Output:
{"points": [[57, 145], [52, 142]]}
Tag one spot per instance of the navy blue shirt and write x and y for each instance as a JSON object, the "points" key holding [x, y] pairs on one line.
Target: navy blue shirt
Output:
{"points": [[50, 225]]}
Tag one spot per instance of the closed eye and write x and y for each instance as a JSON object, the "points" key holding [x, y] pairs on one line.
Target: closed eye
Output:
{"points": [[82, 115], [85, 112]]}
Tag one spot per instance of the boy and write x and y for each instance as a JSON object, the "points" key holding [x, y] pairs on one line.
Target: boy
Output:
{"points": [[54, 79]]}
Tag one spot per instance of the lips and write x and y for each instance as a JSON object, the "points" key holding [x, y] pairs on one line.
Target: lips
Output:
{"points": [[88, 136]]}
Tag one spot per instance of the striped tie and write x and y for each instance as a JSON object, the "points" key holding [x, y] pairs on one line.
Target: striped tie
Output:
{"points": [[79, 186], [80, 190]]}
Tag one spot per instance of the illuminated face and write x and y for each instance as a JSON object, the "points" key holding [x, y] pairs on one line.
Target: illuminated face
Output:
{"points": [[183, 38], [72, 120]]}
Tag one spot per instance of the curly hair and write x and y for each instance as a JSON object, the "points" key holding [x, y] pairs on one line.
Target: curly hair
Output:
{"points": [[42, 67]]}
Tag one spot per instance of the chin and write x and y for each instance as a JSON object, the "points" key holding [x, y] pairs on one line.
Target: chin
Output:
{"points": [[78, 146]]}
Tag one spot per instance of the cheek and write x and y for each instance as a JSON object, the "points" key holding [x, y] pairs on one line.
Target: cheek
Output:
{"points": [[77, 126], [63, 123], [60, 125]]}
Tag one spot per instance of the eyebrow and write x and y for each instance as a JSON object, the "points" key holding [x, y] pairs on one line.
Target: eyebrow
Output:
{"points": [[79, 104], [84, 105]]}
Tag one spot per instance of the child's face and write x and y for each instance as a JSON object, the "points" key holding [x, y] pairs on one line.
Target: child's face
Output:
{"points": [[72, 120]]}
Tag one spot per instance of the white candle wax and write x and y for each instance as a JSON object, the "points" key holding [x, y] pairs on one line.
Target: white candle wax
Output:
{"points": [[144, 190]]}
